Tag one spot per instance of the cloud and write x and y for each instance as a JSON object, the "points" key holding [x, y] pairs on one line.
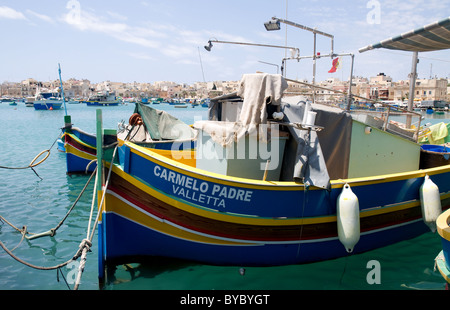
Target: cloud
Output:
{"points": [[6, 12], [86, 21], [117, 15], [45, 18], [139, 55]]}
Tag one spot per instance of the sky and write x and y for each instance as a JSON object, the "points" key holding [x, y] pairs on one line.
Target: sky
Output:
{"points": [[163, 40]]}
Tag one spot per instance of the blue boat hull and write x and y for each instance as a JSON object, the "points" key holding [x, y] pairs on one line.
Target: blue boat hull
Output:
{"points": [[47, 105], [102, 103], [126, 245], [157, 207]]}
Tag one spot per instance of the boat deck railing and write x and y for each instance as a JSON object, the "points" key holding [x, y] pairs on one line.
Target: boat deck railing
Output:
{"points": [[385, 111]]}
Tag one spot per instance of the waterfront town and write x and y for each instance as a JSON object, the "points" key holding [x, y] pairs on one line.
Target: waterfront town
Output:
{"points": [[380, 87]]}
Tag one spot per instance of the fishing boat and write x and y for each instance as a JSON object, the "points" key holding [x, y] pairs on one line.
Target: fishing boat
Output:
{"points": [[29, 101], [48, 100], [432, 155], [267, 210], [274, 180], [158, 100], [147, 127], [205, 103], [103, 98], [6, 99]]}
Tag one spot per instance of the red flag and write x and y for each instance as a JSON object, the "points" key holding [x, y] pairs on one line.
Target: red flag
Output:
{"points": [[335, 65]]}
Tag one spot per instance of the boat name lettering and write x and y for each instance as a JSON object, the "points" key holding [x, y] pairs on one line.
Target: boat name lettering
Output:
{"points": [[201, 191]]}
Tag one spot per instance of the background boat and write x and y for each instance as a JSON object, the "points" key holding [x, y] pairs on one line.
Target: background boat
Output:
{"points": [[7, 100], [48, 100], [103, 98]]}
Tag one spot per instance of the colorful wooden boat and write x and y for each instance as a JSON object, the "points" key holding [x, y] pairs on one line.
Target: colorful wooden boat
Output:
{"points": [[81, 147], [443, 259], [162, 204], [432, 155]]}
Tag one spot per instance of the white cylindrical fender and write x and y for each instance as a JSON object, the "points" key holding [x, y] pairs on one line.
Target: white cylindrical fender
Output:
{"points": [[430, 201], [348, 218]]}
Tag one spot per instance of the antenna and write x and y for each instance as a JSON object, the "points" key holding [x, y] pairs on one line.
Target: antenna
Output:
{"points": [[201, 65]]}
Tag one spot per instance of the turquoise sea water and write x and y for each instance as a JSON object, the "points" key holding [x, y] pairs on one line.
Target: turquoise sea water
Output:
{"points": [[41, 202]]}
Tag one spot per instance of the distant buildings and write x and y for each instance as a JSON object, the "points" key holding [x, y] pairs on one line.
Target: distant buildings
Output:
{"points": [[380, 87]]}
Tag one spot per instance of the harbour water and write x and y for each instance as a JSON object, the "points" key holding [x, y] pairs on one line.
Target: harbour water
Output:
{"points": [[41, 199]]}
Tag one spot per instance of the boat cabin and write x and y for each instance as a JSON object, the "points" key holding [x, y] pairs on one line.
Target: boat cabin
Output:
{"points": [[285, 146]]}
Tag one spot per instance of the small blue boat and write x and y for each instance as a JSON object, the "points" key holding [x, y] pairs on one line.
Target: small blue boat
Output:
{"points": [[434, 156]]}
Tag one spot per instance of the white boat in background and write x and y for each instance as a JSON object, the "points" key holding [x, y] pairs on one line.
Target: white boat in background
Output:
{"points": [[29, 101], [103, 98], [48, 100], [6, 99]]}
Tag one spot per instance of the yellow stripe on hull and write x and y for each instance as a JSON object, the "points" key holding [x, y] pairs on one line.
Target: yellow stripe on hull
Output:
{"points": [[74, 137], [127, 210], [442, 224], [72, 150], [189, 170]]}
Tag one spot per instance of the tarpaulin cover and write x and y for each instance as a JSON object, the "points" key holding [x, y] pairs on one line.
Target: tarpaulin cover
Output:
{"points": [[163, 126]]}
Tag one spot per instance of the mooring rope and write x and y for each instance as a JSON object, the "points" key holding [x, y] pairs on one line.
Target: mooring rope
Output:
{"points": [[52, 231], [33, 163], [85, 243]]}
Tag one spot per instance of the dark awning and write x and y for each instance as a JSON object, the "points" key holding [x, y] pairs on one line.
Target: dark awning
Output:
{"points": [[433, 37]]}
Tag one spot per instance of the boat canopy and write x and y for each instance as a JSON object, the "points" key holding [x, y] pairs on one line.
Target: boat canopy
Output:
{"points": [[432, 37]]}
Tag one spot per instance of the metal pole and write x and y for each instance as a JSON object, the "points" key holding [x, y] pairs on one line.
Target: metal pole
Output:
{"points": [[99, 177], [257, 44], [349, 95], [314, 69], [302, 27], [62, 88], [412, 84], [268, 63], [99, 149]]}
